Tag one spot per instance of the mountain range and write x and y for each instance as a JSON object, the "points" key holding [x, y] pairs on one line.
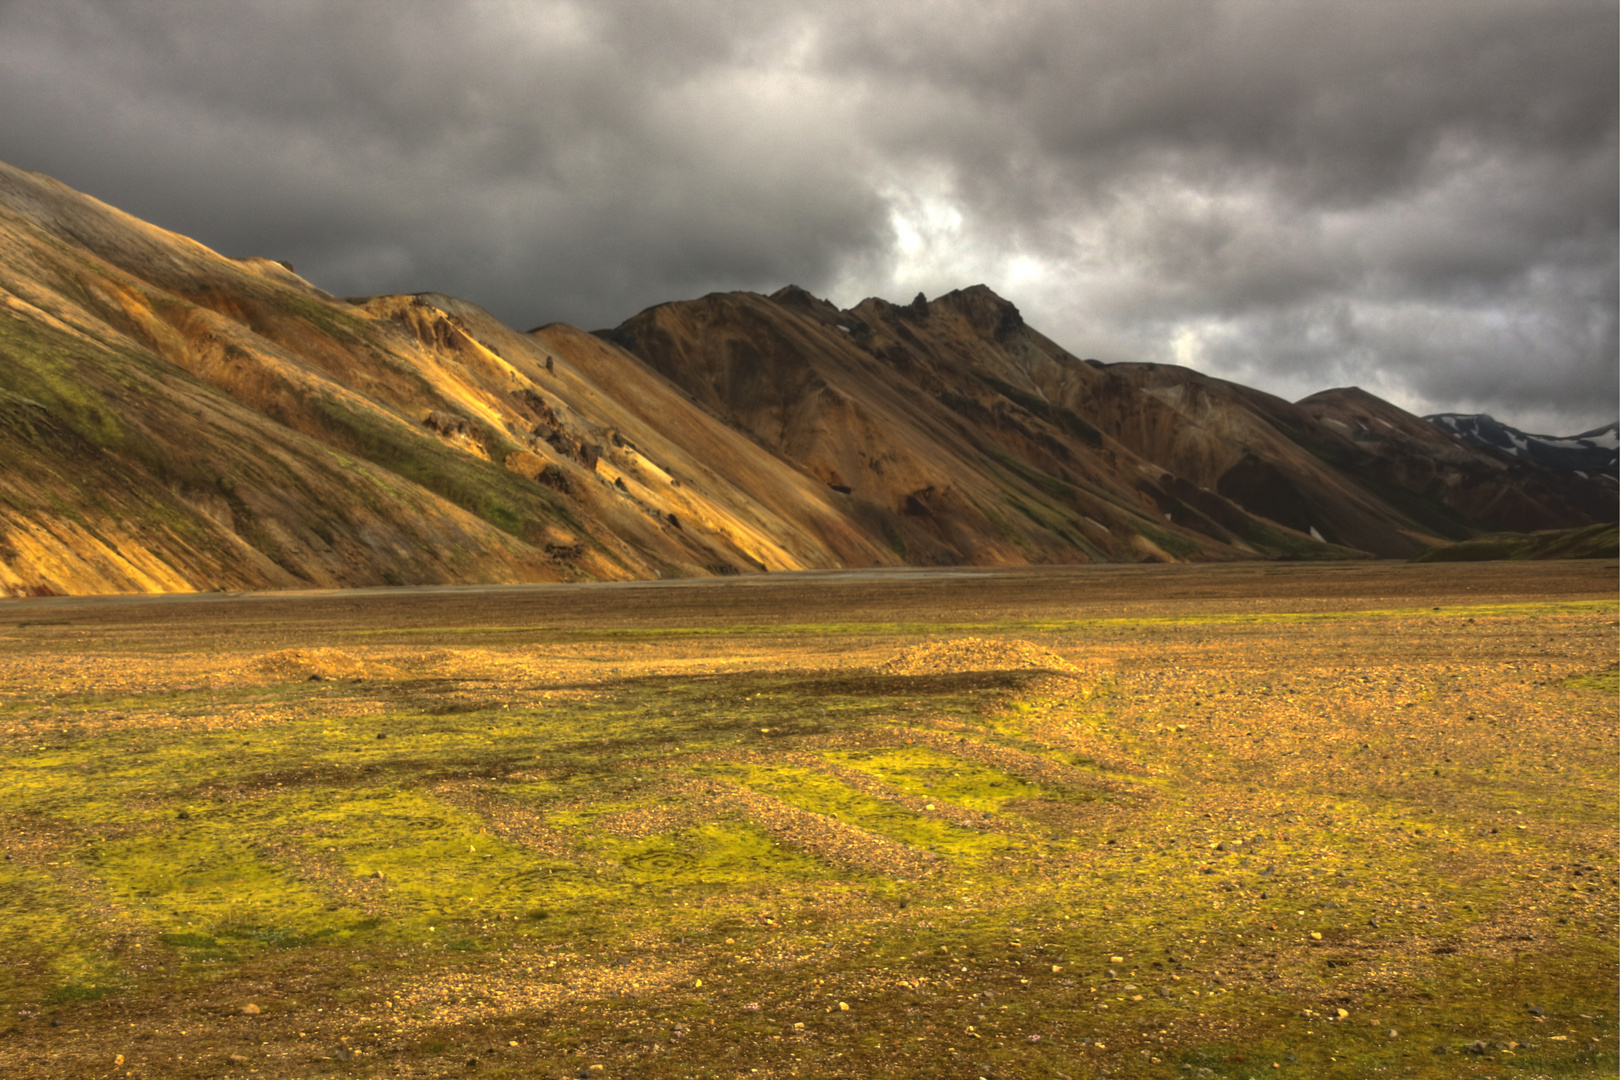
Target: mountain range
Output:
{"points": [[175, 419], [1595, 451]]}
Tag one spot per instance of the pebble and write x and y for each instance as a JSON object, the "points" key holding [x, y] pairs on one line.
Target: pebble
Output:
{"points": [[250, 1009]]}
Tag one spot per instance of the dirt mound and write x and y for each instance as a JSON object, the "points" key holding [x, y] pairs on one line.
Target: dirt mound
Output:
{"points": [[975, 654], [300, 665]]}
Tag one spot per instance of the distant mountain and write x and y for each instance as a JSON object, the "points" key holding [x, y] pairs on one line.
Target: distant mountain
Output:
{"points": [[1437, 476], [1595, 451], [173, 419]]}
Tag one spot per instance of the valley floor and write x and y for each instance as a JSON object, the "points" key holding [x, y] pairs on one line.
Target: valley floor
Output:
{"points": [[1169, 821]]}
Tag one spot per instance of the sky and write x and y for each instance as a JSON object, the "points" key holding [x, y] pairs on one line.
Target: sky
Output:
{"points": [[1416, 198]]}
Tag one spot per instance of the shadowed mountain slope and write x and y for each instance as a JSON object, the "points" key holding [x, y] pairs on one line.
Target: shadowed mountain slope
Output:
{"points": [[173, 419], [932, 428]]}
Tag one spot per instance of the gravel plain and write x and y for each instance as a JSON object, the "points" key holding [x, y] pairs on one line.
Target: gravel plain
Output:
{"points": [[1160, 821]]}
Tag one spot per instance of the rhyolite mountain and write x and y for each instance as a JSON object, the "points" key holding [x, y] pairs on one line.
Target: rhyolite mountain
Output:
{"points": [[175, 419]]}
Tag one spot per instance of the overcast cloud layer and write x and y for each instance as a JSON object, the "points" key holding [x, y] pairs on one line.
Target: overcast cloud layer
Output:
{"points": [[1419, 198]]}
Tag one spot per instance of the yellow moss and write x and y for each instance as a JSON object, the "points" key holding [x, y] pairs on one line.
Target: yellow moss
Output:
{"points": [[817, 792], [930, 774]]}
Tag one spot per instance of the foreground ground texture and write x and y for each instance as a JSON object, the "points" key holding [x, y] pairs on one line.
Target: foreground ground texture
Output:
{"points": [[1238, 821]]}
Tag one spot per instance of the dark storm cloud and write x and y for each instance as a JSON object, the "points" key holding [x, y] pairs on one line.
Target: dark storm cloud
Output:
{"points": [[1420, 198]]}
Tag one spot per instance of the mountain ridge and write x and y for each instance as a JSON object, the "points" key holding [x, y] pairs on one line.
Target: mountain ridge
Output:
{"points": [[1597, 450]]}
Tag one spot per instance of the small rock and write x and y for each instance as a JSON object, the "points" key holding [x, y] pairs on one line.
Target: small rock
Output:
{"points": [[237, 1059], [251, 1009], [598, 1070], [1537, 1010], [1373, 922], [1116, 959], [1476, 1047], [843, 1006]]}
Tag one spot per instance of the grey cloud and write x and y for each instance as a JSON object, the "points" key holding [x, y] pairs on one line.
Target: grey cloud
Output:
{"points": [[1417, 197]]}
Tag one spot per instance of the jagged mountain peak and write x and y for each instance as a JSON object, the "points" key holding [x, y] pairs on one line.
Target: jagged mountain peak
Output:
{"points": [[795, 297], [989, 314]]}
